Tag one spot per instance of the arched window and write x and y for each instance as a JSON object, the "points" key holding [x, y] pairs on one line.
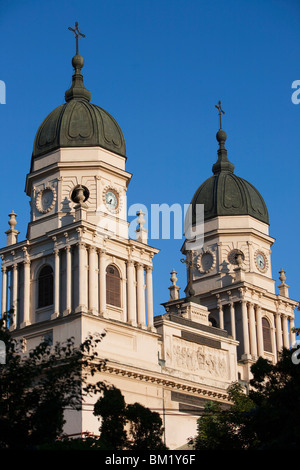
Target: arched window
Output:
{"points": [[266, 335], [45, 287], [113, 286]]}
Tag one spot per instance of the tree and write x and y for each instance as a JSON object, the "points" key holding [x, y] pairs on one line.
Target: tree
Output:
{"points": [[224, 429], [36, 387], [267, 418], [146, 429], [276, 393], [111, 407], [145, 426]]}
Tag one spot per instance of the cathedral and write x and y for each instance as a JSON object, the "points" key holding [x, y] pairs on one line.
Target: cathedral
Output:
{"points": [[78, 272]]}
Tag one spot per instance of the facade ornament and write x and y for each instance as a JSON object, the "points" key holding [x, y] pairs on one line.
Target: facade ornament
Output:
{"points": [[141, 232], [26, 255], [12, 233], [174, 289], [46, 199], [283, 287]]}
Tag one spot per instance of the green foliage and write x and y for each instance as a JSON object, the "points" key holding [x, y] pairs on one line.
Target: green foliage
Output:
{"points": [[144, 426], [111, 407], [36, 387], [276, 393], [223, 429], [267, 418]]}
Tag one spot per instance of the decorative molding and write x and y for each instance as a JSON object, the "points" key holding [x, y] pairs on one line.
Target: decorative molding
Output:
{"points": [[164, 381], [210, 257], [46, 199]]}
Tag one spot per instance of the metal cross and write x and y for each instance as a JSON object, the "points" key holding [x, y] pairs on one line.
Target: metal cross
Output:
{"points": [[219, 107], [77, 34]]}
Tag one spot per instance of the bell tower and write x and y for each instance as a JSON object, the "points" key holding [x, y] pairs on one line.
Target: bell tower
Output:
{"points": [[77, 258], [231, 273]]}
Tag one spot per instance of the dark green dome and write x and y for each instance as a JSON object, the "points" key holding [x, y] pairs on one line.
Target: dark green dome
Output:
{"points": [[78, 123], [226, 194]]}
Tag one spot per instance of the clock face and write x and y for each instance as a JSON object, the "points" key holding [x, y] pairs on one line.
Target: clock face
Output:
{"points": [[260, 261], [206, 261], [45, 200], [111, 199]]}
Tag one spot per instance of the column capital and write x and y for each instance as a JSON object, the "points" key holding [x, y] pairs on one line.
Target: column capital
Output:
{"points": [[81, 244]]}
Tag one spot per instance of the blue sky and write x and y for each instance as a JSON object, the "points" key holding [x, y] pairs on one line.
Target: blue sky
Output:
{"points": [[159, 67]]}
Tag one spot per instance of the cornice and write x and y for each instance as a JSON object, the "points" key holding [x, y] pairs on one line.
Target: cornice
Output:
{"points": [[166, 381]]}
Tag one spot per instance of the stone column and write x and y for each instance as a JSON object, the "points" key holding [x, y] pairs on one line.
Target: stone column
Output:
{"points": [[82, 293], [56, 283], [68, 280], [273, 339], [285, 331], [141, 315], [92, 279], [149, 294], [4, 290], [102, 283], [260, 343], [278, 331], [26, 295], [246, 354], [15, 295], [221, 316], [253, 342], [131, 293], [232, 320], [292, 333]]}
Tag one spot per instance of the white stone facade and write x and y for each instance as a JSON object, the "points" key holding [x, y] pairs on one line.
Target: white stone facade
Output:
{"points": [[173, 363]]}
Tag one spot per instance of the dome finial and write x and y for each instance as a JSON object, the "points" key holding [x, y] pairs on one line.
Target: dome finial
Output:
{"points": [[77, 89], [223, 164]]}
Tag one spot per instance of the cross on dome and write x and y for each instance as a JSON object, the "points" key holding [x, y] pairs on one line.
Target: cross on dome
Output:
{"points": [[77, 34], [221, 111]]}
